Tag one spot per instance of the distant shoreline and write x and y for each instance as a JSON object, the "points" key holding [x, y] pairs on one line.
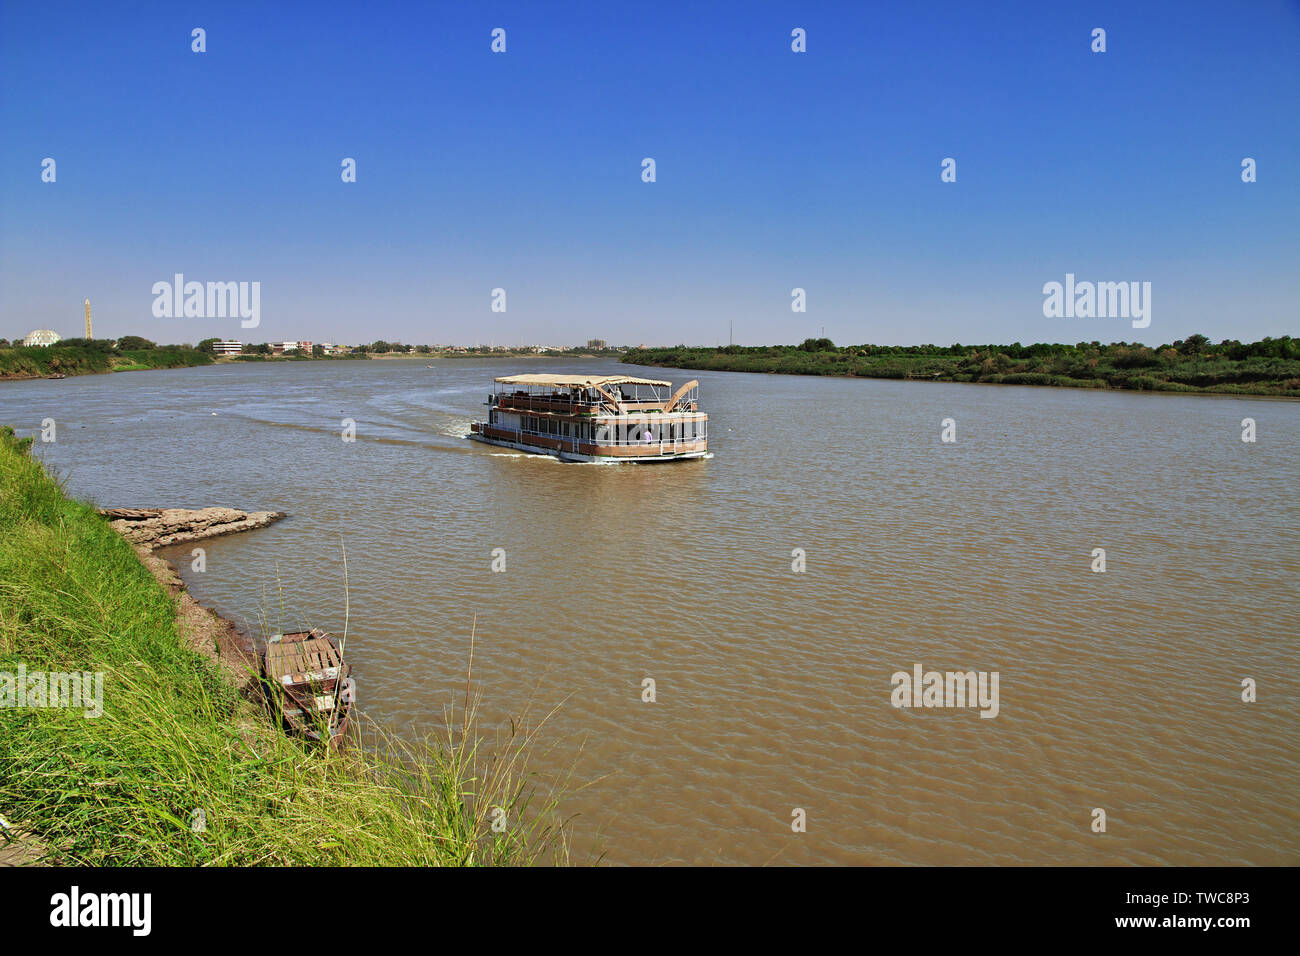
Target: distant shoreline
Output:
{"points": [[26, 363], [428, 356], [31, 363], [1270, 368]]}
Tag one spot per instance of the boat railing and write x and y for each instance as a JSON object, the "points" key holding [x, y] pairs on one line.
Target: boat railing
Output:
{"points": [[566, 407], [547, 405], [610, 437]]}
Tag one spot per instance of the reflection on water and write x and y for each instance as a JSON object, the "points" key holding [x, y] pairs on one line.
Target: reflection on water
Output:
{"points": [[1118, 690]]}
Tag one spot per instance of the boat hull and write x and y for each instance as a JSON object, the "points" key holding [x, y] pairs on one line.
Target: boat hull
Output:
{"points": [[564, 454]]}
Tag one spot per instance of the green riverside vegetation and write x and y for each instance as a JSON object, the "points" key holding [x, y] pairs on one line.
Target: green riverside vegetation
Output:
{"points": [[1268, 367], [90, 356], [175, 736]]}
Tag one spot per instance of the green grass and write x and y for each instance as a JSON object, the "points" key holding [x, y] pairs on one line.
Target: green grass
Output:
{"points": [[165, 358], [1268, 367], [175, 736]]}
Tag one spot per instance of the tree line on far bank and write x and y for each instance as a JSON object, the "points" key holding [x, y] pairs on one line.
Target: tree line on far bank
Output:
{"points": [[1269, 366], [81, 356], [127, 343], [381, 347]]}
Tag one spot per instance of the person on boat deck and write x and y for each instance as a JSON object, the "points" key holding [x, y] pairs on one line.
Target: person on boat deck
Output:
{"points": [[648, 437]]}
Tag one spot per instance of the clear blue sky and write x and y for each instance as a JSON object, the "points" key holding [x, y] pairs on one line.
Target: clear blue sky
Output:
{"points": [[775, 169]]}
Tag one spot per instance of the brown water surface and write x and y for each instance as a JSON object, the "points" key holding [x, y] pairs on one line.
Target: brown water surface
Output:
{"points": [[1119, 690]]}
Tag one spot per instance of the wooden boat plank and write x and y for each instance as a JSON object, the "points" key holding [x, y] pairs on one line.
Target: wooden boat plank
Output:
{"points": [[307, 671]]}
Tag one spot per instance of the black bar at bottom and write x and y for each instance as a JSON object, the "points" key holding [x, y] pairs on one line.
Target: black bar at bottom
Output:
{"points": [[365, 907]]}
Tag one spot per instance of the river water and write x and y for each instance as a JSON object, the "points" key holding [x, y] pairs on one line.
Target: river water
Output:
{"points": [[1119, 691]]}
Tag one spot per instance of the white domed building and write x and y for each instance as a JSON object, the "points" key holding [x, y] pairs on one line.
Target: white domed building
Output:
{"points": [[41, 337]]}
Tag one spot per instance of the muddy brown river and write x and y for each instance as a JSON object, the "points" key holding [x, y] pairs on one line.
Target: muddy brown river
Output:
{"points": [[772, 594]]}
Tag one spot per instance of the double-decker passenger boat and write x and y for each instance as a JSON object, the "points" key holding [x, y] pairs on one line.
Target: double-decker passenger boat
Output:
{"points": [[598, 418]]}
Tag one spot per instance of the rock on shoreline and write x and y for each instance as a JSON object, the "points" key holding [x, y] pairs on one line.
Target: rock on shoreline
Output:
{"points": [[158, 527]]}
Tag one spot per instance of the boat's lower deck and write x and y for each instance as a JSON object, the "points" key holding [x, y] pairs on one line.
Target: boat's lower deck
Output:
{"points": [[612, 455]]}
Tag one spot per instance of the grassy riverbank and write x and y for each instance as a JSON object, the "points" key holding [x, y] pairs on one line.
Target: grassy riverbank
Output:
{"points": [[174, 737], [61, 359], [1269, 367]]}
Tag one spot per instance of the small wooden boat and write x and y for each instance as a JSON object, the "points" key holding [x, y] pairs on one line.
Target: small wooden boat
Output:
{"points": [[308, 685]]}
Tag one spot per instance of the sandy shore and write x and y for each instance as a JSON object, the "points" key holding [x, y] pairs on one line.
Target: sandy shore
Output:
{"points": [[202, 629]]}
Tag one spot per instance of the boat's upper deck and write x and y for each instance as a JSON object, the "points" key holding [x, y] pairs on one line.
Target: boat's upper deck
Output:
{"points": [[586, 395]]}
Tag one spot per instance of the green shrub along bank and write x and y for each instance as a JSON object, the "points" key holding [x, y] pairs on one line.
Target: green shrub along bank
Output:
{"points": [[179, 769], [1268, 367], [91, 356]]}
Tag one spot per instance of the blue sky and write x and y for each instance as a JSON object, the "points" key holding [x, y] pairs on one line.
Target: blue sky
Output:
{"points": [[775, 170]]}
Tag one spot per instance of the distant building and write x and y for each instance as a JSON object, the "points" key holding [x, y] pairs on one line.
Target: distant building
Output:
{"points": [[227, 347], [42, 337], [597, 344], [330, 348], [279, 348]]}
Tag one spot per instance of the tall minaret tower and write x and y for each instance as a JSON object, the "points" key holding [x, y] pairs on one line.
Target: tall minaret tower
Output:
{"points": [[88, 335]]}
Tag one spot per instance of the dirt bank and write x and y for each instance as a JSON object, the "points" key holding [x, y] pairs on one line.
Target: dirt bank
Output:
{"points": [[202, 629]]}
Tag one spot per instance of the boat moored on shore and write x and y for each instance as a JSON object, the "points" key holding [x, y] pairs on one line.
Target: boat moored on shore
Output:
{"points": [[595, 418], [308, 686]]}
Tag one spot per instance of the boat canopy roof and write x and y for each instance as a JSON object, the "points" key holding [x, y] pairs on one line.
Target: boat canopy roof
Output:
{"points": [[577, 381]]}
